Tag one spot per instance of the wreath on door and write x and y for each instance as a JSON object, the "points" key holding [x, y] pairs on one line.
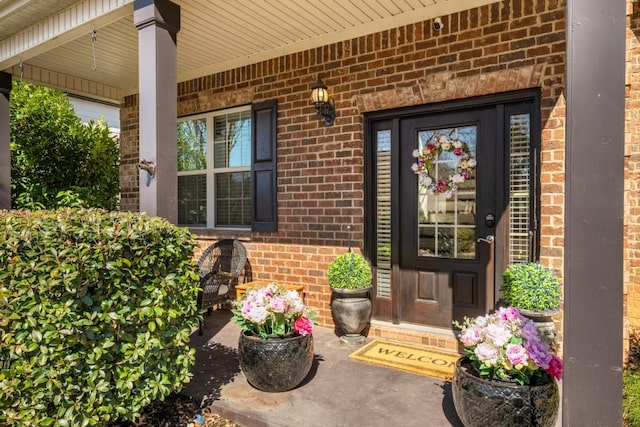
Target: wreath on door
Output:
{"points": [[427, 157]]}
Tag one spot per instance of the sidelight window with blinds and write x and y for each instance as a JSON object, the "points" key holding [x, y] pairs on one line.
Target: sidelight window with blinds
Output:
{"points": [[520, 170], [214, 170]]}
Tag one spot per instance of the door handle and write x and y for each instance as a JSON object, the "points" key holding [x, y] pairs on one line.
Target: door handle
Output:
{"points": [[488, 239]]}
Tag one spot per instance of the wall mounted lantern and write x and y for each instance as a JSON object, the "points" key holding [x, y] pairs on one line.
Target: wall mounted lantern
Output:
{"points": [[324, 104]]}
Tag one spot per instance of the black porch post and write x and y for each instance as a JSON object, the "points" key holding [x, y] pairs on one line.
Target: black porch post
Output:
{"points": [[5, 138], [158, 22], [593, 327]]}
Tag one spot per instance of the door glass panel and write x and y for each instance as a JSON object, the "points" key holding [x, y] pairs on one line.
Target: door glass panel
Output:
{"points": [[519, 187], [383, 213], [446, 202]]}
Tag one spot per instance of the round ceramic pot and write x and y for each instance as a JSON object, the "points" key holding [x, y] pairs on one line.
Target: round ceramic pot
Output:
{"points": [[275, 364], [481, 402], [351, 310]]}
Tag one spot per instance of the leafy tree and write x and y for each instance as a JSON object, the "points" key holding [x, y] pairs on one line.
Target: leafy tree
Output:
{"points": [[56, 160]]}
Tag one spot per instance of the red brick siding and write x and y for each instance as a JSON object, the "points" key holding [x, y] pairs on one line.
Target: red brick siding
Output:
{"points": [[632, 174], [495, 48]]}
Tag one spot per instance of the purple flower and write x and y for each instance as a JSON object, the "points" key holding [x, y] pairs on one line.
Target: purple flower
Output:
{"points": [[529, 330], [539, 353]]}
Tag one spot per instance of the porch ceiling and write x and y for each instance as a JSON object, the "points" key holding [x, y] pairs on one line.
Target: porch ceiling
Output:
{"points": [[215, 35]]}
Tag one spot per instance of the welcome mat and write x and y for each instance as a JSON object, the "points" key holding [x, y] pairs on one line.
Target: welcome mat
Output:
{"points": [[412, 358]]}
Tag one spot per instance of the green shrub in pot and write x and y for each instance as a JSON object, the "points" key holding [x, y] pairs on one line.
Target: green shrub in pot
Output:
{"points": [[531, 286], [349, 271]]}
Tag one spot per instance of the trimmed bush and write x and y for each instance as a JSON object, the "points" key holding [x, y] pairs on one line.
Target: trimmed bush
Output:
{"points": [[56, 160], [531, 286], [96, 309], [349, 271]]}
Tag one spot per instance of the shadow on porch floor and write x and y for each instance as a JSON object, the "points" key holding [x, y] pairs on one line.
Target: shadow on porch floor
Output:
{"points": [[337, 392]]}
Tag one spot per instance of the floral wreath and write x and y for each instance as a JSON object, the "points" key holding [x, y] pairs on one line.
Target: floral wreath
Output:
{"points": [[426, 160]]}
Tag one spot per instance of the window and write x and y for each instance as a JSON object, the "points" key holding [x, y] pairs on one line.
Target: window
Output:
{"points": [[225, 169], [519, 188], [218, 173]]}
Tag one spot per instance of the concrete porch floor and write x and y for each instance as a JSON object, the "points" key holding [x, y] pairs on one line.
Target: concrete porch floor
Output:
{"points": [[337, 392]]}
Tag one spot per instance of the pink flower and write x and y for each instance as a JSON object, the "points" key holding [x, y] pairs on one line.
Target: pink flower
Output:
{"points": [[442, 186], [278, 305], [516, 354], [471, 336], [509, 314], [458, 151], [555, 367], [481, 321], [486, 353], [294, 302], [430, 147], [303, 326], [505, 345], [499, 334], [254, 313]]}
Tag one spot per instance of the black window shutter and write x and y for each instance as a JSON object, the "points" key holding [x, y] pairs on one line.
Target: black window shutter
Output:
{"points": [[264, 206]]}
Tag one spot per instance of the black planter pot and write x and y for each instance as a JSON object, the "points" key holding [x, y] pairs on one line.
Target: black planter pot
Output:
{"points": [[482, 402], [275, 364], [351, 310]]}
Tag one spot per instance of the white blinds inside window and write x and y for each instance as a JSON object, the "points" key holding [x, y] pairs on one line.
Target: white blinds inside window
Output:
{"points": [[231, 152], [519, 187], [383, 212], [192, 200]]}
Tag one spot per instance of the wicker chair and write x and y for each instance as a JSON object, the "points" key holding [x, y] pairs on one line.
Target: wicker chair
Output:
{"points": [[220, 265]]}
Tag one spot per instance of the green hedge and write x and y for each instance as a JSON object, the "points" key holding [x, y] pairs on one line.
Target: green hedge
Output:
{"points": [[96, 309]]}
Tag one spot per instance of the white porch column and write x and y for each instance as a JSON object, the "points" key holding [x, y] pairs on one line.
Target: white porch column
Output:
{"points": [[158, 22], [5, 153]]}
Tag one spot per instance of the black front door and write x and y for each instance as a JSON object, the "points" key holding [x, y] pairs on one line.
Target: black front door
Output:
{"points": [[439, 240], [447, 216]]}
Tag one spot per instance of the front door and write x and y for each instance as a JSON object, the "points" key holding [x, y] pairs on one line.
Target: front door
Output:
{"points": [[450, 204], [447, 213]]}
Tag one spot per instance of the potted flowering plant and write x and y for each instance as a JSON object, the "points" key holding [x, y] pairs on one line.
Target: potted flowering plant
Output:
{"points": [[275, 347], [273, 310], [505, 353]]}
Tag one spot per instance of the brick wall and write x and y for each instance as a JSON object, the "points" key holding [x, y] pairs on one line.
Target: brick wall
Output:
{"points": [[496, 48], [632, 172], [129, 154]]}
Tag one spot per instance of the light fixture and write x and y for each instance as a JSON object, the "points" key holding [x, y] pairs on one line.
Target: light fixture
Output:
{"points": [[324, 104]]}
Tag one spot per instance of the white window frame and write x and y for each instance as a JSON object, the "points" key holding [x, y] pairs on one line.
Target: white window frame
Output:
{"points": [[210, 171]]}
